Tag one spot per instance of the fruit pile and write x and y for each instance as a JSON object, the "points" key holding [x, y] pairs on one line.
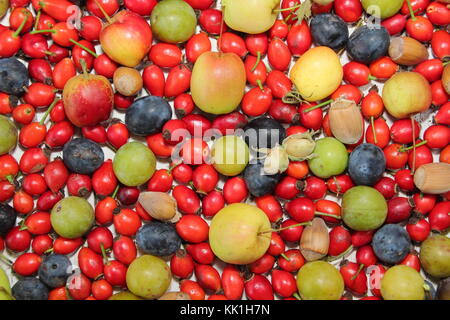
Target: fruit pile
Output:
{"points": [[259, 149]]}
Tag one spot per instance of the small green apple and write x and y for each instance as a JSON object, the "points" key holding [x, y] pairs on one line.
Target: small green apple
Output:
{"points": [[382, 8], [240, 233]]}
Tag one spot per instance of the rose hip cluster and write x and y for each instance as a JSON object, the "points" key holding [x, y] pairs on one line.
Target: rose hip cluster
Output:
{"points": [[70, 69]]}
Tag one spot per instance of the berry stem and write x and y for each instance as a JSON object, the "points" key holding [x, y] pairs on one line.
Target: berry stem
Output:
{"points": [[361, 266], [320, 105], [107, 17], [115, 192], [43, 31], [84, 48], [36, 22], [258, 59], [49, 109], [372, 124], [286, 228], [317, 213], [19, 29], [288, 9], [411, 11]]}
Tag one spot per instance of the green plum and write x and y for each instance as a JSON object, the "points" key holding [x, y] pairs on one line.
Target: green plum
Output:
{"points": [[230, 155], [435, 256], [5, 287], [364, 208], [382, 8], [134, 164], [148, 277], [330, 158], [173, 21], [8, 135], [72, 217], [319, 280], [402, 283], [124, 295]]}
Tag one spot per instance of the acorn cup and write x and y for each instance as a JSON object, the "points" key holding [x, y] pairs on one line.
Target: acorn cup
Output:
{"points": [[315, 240], [407, 51], [346, 121], [446, 78], [433, 178], [160, 206]]}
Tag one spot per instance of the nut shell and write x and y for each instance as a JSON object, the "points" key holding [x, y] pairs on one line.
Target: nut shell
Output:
{"points": [[346, 121], [315, 240], [407, 51], [160, 206]]}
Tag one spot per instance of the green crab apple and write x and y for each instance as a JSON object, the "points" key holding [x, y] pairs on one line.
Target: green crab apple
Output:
{"points": [[382, 8], [329, 158], [319, 280], [148, 277], [8, 135], [250, 16], [5, 287], [126, 38], [435, 256], [240, 233], [402, 283], [406, 93], [218, 82], [364, 208], [173, 21], [72, 217]]}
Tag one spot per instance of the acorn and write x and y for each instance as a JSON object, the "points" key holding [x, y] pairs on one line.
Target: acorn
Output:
{"points": [[160, 206], [433, 178], [315, 240], [407, 51], [446, 78], [346, 121]]}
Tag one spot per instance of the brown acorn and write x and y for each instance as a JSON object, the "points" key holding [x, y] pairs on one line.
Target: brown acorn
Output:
{"points": [[407, 51], [346, 121], [315, 240], [159, 205], [433, 178], [127, 81]]}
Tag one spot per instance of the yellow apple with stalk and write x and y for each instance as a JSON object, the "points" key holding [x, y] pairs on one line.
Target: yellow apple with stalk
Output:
{"points": [[250, 16]]}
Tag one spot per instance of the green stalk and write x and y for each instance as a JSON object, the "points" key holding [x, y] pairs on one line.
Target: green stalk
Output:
{"points": [[84, 48], [320, 105], [411, 11], [413, 146], [43, 31], [327, 215], [19, 30], [115, 192], [49, 109], [107, 17], [38, 17], [288, 9], [258, 59]]}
